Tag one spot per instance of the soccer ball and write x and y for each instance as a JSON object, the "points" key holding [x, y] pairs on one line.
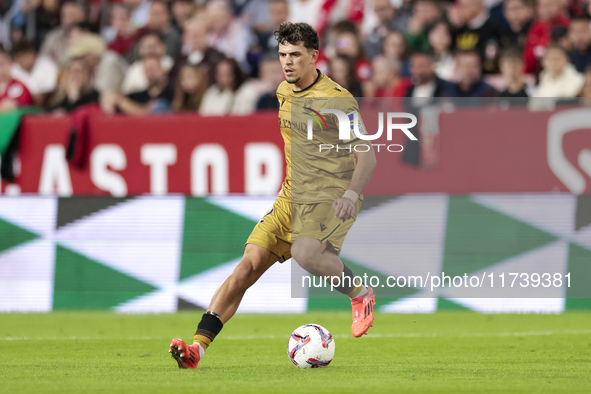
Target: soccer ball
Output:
{"points": [[311, 346]]}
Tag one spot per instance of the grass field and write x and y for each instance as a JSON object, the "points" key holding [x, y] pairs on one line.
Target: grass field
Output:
{"points": [[450, 352]]}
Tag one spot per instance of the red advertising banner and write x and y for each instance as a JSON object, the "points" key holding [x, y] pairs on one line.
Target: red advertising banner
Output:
{"points": [[475, 151]]}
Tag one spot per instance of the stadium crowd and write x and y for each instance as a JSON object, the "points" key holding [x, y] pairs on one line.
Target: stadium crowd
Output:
{"points": [[219, 57]]}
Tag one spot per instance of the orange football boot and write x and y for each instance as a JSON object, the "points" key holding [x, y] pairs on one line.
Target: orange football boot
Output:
{"points": [[363, 313], [187, 356]]}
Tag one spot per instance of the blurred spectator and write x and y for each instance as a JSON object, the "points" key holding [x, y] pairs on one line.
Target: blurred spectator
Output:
{"points": [[580, 37], [229, 35], [196, 51], [403, 14], [160, 21], [266, 44], [520, 16], [394, 47], [511, 66], [181, 12], [425, 14], [550, 15], [425, 83], [191, 86], [440, 40], [121, 35], [473, 30], [308, 11], [256, 14], [150, 45], [469, 75], [347, 43], [559, 78], [140, 12], [30, 19], [385, 12], [586, 90], [106, 66], [55, 45], [230, 94], [77, 30], [38, 73], [342, 71], [157, 98], [271, 75], [386, 80], [279, 12], [559, 36], [75, 89], [13, 93]]}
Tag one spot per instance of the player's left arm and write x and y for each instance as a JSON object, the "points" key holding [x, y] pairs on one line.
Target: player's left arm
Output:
{"points": [[366, 164]]}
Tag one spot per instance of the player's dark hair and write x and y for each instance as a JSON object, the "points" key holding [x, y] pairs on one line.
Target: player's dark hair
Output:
{"points": [[296, 33]]}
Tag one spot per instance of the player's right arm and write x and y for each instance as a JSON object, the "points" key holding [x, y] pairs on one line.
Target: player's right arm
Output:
{"points": [[366, 164]]}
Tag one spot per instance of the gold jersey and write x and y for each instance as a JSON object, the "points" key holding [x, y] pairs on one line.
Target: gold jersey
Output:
{"points": [[315, 172]]}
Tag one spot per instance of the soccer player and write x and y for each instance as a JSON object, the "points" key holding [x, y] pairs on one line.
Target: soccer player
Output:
{"points": [[319, 199]]}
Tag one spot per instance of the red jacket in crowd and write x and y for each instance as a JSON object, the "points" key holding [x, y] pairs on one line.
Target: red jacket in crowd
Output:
{"points": [[538, 39]]}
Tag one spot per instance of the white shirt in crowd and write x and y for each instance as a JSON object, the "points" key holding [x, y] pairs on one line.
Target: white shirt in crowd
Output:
{"points": [[217, 102], [41, 79], [135, 78], [445, 67], [568, 84]]}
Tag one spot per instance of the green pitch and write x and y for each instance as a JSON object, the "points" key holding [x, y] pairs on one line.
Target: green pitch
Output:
{"points": [[450, 352]]}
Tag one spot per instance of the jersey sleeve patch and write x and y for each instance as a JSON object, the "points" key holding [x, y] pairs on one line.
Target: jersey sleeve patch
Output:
{"points": [[361, 127]]}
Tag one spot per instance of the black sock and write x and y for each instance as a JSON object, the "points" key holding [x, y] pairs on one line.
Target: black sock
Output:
{"points": [[209, 327], [347, 283]]}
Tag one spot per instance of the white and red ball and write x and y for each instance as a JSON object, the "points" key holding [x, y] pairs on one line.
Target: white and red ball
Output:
{"points": [[311, 346]]}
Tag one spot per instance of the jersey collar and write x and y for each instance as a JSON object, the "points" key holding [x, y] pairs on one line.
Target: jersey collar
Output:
{"points": [[313, 83]]}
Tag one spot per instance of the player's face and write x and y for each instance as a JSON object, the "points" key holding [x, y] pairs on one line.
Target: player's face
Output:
{"points": [[296, 61]]}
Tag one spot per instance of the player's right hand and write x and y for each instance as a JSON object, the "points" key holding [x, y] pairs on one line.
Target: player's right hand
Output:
{"points": [[343, 208]]}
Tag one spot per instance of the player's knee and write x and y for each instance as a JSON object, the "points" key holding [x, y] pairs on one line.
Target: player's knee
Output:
{"points": [[305, 257], [246, 274]]}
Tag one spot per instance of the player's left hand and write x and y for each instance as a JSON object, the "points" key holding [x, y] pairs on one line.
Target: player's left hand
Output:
{"points": [[343, 208]]}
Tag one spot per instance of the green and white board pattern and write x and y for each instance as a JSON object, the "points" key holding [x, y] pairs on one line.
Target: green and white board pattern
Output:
{"points": [[162, 254]]}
